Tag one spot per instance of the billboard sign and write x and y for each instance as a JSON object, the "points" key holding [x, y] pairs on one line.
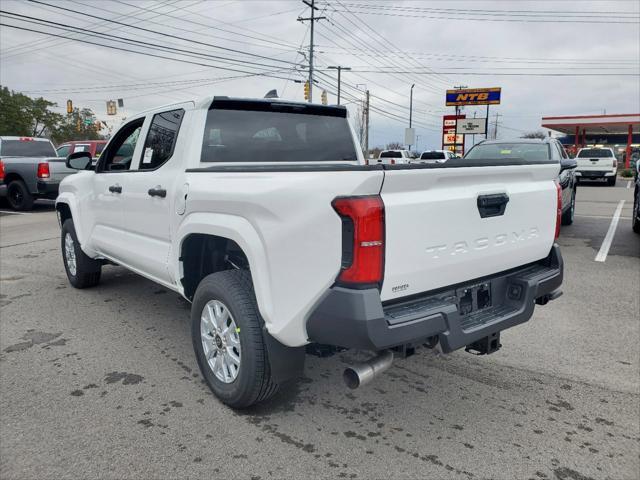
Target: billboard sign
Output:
{"points": [[452, 139], [472, 126], [473, 96]]}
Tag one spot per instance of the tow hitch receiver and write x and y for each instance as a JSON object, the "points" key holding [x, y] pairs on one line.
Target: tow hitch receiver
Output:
{"points": [[485, 345]]}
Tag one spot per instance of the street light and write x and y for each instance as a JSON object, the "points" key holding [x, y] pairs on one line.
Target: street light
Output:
{"points": [[411, 105], [411, 108], [339, 68]]}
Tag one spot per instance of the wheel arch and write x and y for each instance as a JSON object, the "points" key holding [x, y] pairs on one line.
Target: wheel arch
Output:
{"points": [[12, 176], [67, 208], [234, 234]]}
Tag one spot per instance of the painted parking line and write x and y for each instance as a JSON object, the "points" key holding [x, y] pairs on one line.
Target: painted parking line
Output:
{"points": [[608, 239], [600, 216], [8, 212]]}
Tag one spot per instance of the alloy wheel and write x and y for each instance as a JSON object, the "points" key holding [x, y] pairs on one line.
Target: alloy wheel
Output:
{"points": [[70, 254], [220, 341]]}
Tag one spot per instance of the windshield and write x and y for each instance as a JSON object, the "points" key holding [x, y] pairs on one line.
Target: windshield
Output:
{"points": [[26, 148], [525, 151], [275, 136], [595, 153], [391, 155], [432, 156]]}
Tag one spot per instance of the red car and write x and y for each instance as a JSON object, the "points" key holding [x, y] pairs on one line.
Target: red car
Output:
{"points": [[94, 147]]}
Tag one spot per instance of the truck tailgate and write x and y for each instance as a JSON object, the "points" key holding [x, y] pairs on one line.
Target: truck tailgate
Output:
{"points": [[603, 163], [58, 169], [436, 235]]}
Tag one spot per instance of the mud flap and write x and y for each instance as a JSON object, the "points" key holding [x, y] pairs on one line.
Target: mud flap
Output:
{"points": [[286, 363]]}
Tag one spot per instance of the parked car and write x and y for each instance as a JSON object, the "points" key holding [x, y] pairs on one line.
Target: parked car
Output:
{"points": [[393, 157], [263, 214], [435, 156], [528, 149], [29, 169], [94, 147], [635, 222], [597, 163]]}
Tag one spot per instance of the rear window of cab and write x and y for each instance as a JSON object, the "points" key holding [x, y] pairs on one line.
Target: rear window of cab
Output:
{"points": [[525, 151], [595, 153]]}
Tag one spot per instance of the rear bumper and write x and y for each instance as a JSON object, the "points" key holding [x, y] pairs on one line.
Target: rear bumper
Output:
{"points": [[48, 189], [358, 319], [595, 173], [3, 190]]}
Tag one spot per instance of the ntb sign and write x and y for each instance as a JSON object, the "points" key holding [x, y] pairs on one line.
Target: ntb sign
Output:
{"points": [[473, 96]]}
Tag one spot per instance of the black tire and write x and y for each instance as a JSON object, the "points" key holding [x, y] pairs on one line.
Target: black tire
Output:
{"points": [[567, 217], [254, 382], [18, 196], [611, 181], [635, 222], [87, 270]]}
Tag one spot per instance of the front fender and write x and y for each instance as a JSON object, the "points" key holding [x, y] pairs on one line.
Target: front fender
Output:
{"points": [[244, 234], [70, 199]]}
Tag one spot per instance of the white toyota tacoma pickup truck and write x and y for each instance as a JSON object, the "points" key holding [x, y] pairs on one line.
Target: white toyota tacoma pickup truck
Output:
{"points": [[264, 215]]}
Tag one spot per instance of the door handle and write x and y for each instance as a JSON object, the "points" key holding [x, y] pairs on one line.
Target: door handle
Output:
{"points": [[158, 191], [115, 188]]}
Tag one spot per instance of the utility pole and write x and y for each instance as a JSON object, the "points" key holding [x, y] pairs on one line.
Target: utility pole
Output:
{"points": [[366, 132], [495, 127], [455, 134], [313, 19], [411, 108], [339, 68]]}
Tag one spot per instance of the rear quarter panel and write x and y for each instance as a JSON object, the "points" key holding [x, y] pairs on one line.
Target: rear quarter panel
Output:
{"points": [[286, 226]]}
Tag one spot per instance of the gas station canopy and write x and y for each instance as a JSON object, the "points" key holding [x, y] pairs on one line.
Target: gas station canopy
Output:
{"points": [[582, 125], [593, 124]]}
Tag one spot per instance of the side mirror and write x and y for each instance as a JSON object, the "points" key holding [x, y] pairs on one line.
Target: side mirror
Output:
{"points": [[568, 164], [79, 161]]}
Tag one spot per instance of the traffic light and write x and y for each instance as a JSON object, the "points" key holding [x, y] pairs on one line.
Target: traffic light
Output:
{"points": [[111, 107], [306, 90], [324, 97], [69, 106]]}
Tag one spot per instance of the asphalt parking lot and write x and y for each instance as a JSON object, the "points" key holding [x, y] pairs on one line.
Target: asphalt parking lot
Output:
{"points": [[103, 382]]}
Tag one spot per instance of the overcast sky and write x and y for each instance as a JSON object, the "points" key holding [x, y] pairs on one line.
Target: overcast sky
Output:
{"points": [[389, 45]]}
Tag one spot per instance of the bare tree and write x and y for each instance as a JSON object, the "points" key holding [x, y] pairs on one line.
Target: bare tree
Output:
{"points": [[395, 146], [538, 134]]}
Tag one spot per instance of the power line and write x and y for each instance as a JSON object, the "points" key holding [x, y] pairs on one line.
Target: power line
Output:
{"points": [[266, 74], [165, 34], [129, 41], [27, 47], [376, 34], [489, 16]]}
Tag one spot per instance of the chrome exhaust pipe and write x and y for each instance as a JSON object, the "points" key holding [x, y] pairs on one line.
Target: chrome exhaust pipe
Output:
{"points": [[363, 373]]}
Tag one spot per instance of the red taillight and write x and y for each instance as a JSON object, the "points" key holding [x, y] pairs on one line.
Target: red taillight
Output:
{"points": [[559, 210], [615, 163], [43, 170], [393, 162], [1, 170], [363, 239]]}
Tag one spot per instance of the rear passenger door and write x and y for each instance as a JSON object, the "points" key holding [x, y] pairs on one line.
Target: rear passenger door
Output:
{"points": [[149, 199]]}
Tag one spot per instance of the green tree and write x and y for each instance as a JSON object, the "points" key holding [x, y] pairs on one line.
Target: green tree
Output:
{"points": [[539, 134], [77, 125], [25, 116]]}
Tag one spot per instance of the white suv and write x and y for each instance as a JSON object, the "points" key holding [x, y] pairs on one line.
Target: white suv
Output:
{"points": [[600, 163], [435, 156], [394, 157]]}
